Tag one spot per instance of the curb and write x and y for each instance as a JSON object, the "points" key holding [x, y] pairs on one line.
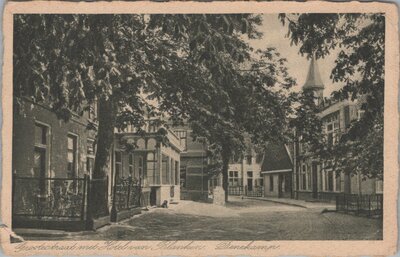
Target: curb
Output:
{"points": [[275, 201], [41, 233]]}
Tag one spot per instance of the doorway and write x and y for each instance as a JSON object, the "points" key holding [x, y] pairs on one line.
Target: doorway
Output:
{"points": [[250, 181], [153, 196]]}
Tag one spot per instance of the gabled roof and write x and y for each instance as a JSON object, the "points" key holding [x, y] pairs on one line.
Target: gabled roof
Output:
{"points": [[276, 158], [313, 80]]}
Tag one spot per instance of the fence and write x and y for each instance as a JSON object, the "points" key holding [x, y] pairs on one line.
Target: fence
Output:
{"points": [[127, 193], [59, 199], [257, 191], [49, 197], [235, 190], [360, 204]]}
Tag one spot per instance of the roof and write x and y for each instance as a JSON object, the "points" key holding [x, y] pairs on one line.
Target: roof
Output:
{"points": [[313, 80], [276, 158]]}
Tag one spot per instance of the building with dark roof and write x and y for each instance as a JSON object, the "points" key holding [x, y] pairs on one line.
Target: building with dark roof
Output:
{"points": [[277, 171]]}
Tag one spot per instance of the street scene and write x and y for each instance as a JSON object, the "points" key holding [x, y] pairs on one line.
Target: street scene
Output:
{"points": [[198, 126], [238, 220]]}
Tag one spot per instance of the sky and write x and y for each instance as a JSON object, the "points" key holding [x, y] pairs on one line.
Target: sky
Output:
{"points": [[274, 35]]}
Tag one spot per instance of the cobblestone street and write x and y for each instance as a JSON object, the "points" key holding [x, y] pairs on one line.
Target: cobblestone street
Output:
{"points": [[241, 219]]}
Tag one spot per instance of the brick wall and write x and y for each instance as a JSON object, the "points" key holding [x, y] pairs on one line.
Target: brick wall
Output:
{"points": [[56, 151]]}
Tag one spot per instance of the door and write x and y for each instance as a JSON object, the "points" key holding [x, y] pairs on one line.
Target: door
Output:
{"points": [[153, 196], [314, 180], [250, 184], [250, 181]]}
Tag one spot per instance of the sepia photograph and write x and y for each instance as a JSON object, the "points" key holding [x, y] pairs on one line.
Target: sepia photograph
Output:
{"points": [[250, 126]]}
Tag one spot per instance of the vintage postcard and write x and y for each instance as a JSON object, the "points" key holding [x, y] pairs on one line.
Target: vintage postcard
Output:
{"points": [[200, 128]]}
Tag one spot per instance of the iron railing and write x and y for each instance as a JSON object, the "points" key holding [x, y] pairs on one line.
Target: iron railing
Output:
{"points": [[127, 193], [49, 197], [235, 190], [360, 204], [257, 191]]}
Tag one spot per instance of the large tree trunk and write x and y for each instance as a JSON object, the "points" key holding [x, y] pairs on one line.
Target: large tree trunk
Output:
{"points": [[105, 140], [225, 166]]}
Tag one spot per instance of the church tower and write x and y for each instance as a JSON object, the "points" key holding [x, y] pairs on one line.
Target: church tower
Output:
{"points": [[314, 81]]}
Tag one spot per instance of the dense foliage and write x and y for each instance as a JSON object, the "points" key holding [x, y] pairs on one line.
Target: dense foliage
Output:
{"points": [[185, 67], [360, 68]]}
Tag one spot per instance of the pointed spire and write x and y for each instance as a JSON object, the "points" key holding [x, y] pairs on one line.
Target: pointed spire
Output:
{"points": [[313, 80]]}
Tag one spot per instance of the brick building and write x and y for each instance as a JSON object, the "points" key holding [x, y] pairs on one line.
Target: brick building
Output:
{"points": [[193, 169], [46, 146], [313, 179], [50, 159]]}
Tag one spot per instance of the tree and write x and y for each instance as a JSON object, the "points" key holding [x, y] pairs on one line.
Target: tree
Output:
{"points": [[360, 68], [123, 62], [254, 101]]}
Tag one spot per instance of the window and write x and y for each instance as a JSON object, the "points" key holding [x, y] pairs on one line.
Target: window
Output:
{"points": [[233, 178], [130, 163], [332, 126], [172, 171], [165, 170], [183, 176], [40, 135], [71, 156], [182, 135], [40, 156], [152, 126], [308, 178], [248, 158], [176, 173], [338, 184], [329, 180], [151, 160], [142, 176], [271, 183], [304, 178], [118, 164], [90, 154], [91, 148]]}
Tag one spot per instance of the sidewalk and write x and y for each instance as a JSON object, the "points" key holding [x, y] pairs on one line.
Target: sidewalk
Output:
{"points": [[318, 206]]}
